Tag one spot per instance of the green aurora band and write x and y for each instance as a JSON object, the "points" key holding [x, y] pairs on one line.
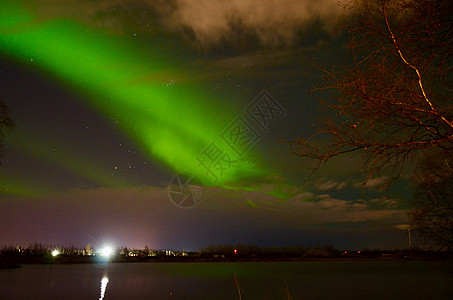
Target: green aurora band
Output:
{"points": [[70, 160], [125, 82]]}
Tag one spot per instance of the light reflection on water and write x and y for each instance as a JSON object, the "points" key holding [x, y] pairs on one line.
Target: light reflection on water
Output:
{"points": [[260, 280], [104, 282]]}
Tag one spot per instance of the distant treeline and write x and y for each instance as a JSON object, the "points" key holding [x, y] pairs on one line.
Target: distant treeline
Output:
{"points": [[243, 250], [226, 251], [35, 249], [38, 253]]}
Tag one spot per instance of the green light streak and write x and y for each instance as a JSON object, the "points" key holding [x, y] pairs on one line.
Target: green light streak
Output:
{"points": [[65, 158], [172, 123], [23, 187]]}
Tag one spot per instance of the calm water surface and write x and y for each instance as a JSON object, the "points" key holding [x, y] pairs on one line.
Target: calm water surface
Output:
{"points": [[257, 280]]}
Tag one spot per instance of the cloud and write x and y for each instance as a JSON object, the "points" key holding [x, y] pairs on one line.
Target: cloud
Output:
{"points": [[250, 65], [402, 226], [331, 210], [303, 209], [206, 22], [325, 185], [372, 183], [384, 202], [303, 196], [333, 204], [272, 22], [327, 202]]}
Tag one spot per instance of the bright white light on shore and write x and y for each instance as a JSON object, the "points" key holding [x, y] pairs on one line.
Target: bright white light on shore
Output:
{"points": [[55, 252], [107, 251]]}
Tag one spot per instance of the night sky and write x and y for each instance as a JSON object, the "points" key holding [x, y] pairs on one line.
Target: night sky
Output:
{"points": [[113, 99]]}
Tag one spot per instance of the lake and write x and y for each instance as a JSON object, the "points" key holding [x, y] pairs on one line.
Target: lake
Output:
{"points": [[256, 280]]}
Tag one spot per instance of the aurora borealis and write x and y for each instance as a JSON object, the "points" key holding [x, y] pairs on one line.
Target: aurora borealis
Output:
{"points": [[173, 123], [106, 118]]}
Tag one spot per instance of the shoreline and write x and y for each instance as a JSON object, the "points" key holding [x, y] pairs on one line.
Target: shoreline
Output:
{"points": [[16, 262]]}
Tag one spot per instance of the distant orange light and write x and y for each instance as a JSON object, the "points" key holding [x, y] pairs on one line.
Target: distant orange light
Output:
{"points": [[345, 252], [235, 251], [358, 252]]}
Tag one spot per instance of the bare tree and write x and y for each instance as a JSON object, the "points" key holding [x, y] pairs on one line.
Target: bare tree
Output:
{"points": [[6, 124], [432, 215], [393, 98]]}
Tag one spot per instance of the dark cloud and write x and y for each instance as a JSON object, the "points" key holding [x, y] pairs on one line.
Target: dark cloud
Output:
{"points": [[206, 22], [272, 22]]}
